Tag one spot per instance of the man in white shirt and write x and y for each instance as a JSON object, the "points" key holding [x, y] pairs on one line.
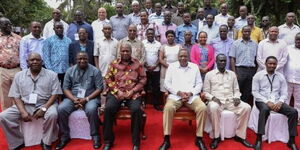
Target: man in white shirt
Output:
{"points": [[242, 20], [272, 46], [211, 28], [97, 25], [221, 18], [288, 30], [221, 89], [184, 83], [135, 15], [48, 29], [151, 64], [269, 89], [292, 73]]}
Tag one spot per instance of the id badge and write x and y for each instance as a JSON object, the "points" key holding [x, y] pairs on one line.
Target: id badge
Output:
{"points": [[32, 98], [81, 93], [76, 36]]}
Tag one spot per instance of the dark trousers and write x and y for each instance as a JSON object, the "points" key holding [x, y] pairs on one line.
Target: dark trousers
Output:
{"points": [[153, 84], [245, 76], [290, 112], [111, 108], [61, 77]]}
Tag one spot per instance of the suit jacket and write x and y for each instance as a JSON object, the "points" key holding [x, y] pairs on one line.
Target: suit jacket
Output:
{"points": [[74, 48]]}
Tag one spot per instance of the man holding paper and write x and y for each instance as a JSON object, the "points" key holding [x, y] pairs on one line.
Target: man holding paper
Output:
{"points": [[184, 83]]}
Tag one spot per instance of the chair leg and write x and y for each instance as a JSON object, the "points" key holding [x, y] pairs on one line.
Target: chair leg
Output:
{"points": [[143, 126]]}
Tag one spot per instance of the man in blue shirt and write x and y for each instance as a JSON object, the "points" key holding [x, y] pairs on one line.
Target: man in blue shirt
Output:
{"points": [[120, 23], [184, 27], [56, 51], [77, 24]]}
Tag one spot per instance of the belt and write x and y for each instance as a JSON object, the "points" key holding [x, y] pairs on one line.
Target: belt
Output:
{"points": [[246, 67]]}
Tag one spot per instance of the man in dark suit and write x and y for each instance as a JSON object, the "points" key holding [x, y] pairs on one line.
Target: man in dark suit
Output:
{"points": [[83, 44]]}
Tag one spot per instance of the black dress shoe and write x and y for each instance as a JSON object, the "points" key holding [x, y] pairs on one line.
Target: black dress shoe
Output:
{"points": [[20, 147], [45, 146], [158, 108], [62, 144], [243, 141], [200, 144], [257, 145], [165, 145], [96, 142], [292, 146], [107, 146], [214, 143], [136, 147]]}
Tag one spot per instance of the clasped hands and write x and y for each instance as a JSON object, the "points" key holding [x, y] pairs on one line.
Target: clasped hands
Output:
{"points": [[79, 102], [124, 95], [26, 117], [184, 95], [274, 107], [236, 101]]}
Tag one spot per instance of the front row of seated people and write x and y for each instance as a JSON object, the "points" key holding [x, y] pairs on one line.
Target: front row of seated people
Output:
{"points": [[36, 89]]}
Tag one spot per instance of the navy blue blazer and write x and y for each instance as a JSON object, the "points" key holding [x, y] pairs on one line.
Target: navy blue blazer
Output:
{"points": [[74, 48]]}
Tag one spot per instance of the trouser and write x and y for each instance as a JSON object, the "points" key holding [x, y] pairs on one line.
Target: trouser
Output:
{"points": [[172, 105], [244, 76], [61, 77], [6, 79], [264, 112], [66, 107], [242, 111], [112, 107], [10, 120], [153, 82], [294, 89]]}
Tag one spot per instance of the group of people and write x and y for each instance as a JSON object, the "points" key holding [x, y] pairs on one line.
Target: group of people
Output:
{"points": [[54, 71]]}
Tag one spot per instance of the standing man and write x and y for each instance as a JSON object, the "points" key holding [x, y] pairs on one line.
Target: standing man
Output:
{"points": [[169, 7], [242, 60], [272, 46], [130, 75], [79, 23], [158, 16], [148, 7], [211, 28], [56, 52], [222, 44], [97, 25], [9, 60], [137, 46], [144, 25], [34, 92], [151, 64], [177, 17], [222, 18], [241, 21], [232, 31], [265, 25], [183, 82], [32, 42], [291, 70], [82, 86], [224, 94], [120, 23], [200, 21], [187, 45], [256, 34], [165, 26], [56, 17], [288, 30], [82, 45], [208, 9], [135, 15], [180, 30], [269, 89]]}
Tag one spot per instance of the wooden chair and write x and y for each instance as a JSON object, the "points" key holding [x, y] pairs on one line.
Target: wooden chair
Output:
{"points": [[124, 113], [183, 113]]}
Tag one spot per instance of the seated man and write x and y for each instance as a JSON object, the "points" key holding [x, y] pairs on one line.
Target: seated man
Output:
{"points": [[221, 89], [34, 92], [125, 80], [269, 89], [82, 87], [183, 81]]}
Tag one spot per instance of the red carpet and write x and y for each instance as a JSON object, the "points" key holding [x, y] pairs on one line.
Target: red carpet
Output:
{"points": [[182, 137]]}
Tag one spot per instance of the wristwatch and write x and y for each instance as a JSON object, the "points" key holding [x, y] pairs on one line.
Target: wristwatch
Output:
{"points": [[87, 99], [44, 109]]}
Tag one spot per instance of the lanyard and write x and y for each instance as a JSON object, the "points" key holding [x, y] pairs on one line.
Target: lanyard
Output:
{"points": [[271, 82], [34, 83]]}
